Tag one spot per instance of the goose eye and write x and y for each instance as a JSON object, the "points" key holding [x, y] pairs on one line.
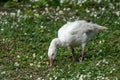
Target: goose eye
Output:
{"points": [[53, 54]]}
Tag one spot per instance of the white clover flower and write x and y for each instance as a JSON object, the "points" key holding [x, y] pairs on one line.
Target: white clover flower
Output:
{"points": [[55, 77], [58, 8], [64, 19], [62, 1], [34, 55], [98, 63], [26, 56], [46, 9], [4, 13], [38, 64], [103, 40], [81, 77], [100, 42], [64, 9], [116, 78], [103, 78], [25, 16], [117, 13], [40, 78], [95, 15], [111, 6], [18, 12], [18, 56], [34, 10], [89, 74], [3, 72], [98, 1], [99, 77], [106, 78], [84, 1], [100, 50], [41, 26], [31, 76], [116, 22], [104, 61], [3, 39], [78, 75], [60, 12], [34, 0], [6, 22], [87, 11], [63, 79], [25, 33], [112, 70], [76, 10], [50, 78], [16, 64], [31, 64], [68, 9], [41, 57], [2, 29], [47, 5], [37, 15], [79, 2], [56, 14], [12, 14], [103, 9]]}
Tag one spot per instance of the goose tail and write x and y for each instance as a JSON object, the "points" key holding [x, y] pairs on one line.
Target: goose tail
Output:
{"points": [[100, 28]]}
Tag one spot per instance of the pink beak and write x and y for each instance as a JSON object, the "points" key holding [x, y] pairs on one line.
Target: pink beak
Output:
{"points": [[51, 61]]}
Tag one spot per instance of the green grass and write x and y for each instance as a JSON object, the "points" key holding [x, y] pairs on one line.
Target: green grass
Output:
{"points": [[25, 37]]}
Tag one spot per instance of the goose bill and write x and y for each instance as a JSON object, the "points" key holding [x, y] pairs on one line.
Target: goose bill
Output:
{"points": [[51, 61]]}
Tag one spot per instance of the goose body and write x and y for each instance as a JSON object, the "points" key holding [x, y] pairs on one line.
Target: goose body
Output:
{"points": [[73, 34]]}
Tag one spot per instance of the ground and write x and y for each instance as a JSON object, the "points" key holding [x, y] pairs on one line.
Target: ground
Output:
{"points": [[26, 30]]}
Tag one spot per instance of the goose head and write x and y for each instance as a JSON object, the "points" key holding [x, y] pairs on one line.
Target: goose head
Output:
{"points": [[52, 51], [52, 54]]}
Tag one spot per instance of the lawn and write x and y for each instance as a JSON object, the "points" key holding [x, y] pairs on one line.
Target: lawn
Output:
{"points": [[26, 30]]}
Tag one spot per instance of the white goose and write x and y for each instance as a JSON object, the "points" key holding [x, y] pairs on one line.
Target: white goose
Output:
{"points": [[73, 34]]}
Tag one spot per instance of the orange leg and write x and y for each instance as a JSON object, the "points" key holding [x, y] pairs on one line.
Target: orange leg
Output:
{"points": [[83, 55]]}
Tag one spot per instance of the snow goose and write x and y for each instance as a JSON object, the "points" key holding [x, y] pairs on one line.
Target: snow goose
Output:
{"points": [[73, 34]]}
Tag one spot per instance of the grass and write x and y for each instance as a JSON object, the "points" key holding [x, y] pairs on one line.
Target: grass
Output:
{"points": [[26, 32]]}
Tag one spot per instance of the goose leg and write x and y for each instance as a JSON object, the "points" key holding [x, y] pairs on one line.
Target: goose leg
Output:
{"points": [[73, 54], [83, 53], [72, 51]]}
